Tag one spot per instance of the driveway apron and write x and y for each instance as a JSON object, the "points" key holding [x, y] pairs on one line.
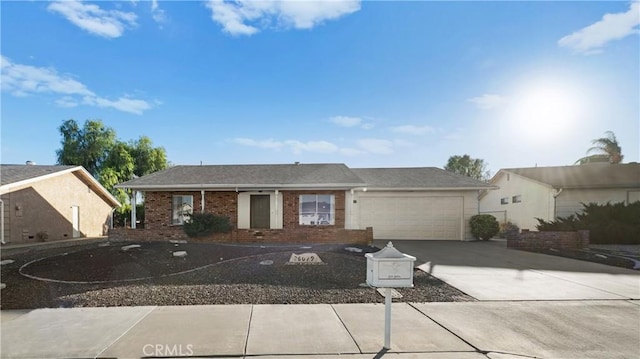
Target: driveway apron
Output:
{"points": [[490, 271]]}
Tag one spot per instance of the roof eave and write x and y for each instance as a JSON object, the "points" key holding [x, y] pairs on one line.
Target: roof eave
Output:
{"points": [[428, 188], [238, 187]]}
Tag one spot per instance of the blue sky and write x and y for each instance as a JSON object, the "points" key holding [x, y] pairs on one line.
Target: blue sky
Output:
{"points": [[369, 84]]}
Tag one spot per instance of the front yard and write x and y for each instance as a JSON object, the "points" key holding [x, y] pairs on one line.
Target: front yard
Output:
{"points": [[107, 275]]}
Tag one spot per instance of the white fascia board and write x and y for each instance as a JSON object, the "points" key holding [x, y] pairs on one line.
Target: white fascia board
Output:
{"points": [[418, 189], [240, 187], [9, 187]]}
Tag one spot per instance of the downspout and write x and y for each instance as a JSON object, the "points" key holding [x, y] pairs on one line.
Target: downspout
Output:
{"points": [[277, 212], [2, 222], [555, 204]]}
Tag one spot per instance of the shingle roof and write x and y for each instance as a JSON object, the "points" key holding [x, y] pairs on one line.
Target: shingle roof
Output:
{"points": [[17, 173], [230, 176], [595, 175], [418, 178]]}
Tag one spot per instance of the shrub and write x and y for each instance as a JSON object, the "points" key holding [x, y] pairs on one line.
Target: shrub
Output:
{"points": [[205, 224], [484, 226], [609, 223]]}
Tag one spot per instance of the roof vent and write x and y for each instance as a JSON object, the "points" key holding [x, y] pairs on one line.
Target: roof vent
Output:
{"points": [[296, 163], [30, 163]]}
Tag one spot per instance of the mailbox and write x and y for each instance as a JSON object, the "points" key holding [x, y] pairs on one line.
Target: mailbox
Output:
{"points": [[389, 268]]}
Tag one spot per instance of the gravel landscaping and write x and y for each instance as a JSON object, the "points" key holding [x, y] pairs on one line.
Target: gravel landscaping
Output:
{"points": [[107, 275]]}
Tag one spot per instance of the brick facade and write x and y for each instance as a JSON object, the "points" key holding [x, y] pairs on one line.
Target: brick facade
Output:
{"points": [[544, 240], [225, 203]]}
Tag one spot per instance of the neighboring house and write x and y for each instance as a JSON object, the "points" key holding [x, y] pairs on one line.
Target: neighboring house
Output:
{"points": [[52, 202], [313, 202], [551, 192]]}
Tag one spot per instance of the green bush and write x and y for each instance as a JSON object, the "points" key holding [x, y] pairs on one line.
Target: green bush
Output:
{"points": [[609, 223], [484, 226], [205, 224]]}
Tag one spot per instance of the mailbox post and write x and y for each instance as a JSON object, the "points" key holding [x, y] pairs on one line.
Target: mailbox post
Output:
{"points": [[389, 268]]}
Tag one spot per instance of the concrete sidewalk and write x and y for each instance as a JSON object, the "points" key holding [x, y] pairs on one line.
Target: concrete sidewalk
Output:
{"points": [[468, 330]]}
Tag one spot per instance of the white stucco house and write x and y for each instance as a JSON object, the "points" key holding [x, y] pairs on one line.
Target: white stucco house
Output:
{"points": [[551, 192]]}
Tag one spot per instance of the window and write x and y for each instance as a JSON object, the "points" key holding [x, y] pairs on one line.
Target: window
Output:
{"points": [[317, 209], [181, 208], [504, 200], [516, 199]]}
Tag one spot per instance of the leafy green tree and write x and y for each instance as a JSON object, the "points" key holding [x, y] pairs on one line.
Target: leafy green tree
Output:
{"points": [[148, 159], [606, 148], [109, 160], [467, 166], [88, 146]]}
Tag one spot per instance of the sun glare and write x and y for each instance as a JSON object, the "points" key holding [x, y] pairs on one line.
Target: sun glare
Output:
{"points": [[545, 111]]}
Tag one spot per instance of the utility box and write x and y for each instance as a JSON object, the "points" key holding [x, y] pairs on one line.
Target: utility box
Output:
{"points": [[389, 268]]}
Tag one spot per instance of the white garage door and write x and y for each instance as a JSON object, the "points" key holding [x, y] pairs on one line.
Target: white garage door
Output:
{"points": [[411, 217]]}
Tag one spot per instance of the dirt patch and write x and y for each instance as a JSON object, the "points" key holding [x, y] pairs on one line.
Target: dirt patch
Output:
{"points": [[209, 274]]}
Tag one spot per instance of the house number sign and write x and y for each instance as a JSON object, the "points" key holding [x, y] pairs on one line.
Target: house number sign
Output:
{"points": [[305, 258]]}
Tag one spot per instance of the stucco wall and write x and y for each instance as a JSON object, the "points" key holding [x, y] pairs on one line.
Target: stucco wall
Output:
{"points": [[45, 206], [537, 201]]}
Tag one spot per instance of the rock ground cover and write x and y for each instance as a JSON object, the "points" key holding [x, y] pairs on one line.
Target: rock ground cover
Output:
{"points": [[208, 274]]}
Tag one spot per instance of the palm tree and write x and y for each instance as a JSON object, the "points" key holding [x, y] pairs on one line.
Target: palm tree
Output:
{"points": [[608, 148]]}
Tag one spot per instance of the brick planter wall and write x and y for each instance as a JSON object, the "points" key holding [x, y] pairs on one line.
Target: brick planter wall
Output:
{"points": [[296, 235], [544, 240]]}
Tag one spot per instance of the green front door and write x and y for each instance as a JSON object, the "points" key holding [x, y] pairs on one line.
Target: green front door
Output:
{"points": [[260, 211]]}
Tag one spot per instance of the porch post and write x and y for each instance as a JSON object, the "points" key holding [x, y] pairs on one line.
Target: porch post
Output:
{"points": [[134, 218]]}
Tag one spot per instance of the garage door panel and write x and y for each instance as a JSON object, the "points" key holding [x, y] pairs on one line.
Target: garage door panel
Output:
{"points": [[411, 217]]}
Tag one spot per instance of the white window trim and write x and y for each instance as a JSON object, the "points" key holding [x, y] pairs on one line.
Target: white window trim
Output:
{"points": [[314, 222], [173, 210]]}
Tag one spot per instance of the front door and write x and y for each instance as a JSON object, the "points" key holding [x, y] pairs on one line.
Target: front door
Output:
{"points": [[260, 211]]}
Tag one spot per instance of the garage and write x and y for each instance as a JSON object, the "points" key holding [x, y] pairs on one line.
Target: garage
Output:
{"points": [[411, 216]]}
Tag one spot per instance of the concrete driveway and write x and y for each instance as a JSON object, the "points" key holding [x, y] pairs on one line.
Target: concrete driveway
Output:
{"points": [[490, 271]]}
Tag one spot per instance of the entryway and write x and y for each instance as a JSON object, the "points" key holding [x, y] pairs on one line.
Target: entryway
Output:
{"points": [[260, 211]]}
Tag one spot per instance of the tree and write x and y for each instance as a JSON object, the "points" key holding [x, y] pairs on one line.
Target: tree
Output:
{"points": [[109, 160], [467, 166], [607, 148], [88, 146]]}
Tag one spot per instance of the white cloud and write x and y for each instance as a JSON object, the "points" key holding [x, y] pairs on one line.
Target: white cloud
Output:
{"points": [[247, 17], [311, 146], [346, 121], [25, 80], [123, 104], [376, 146], [488, 101], [412, 129], [267, 144], [157, 13], [593, 38], [294, 145], [90, 17], [362, 146], [351, 151]]}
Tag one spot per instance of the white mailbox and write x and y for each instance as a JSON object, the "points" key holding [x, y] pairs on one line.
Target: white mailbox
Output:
{"points": [[389, 268]]}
